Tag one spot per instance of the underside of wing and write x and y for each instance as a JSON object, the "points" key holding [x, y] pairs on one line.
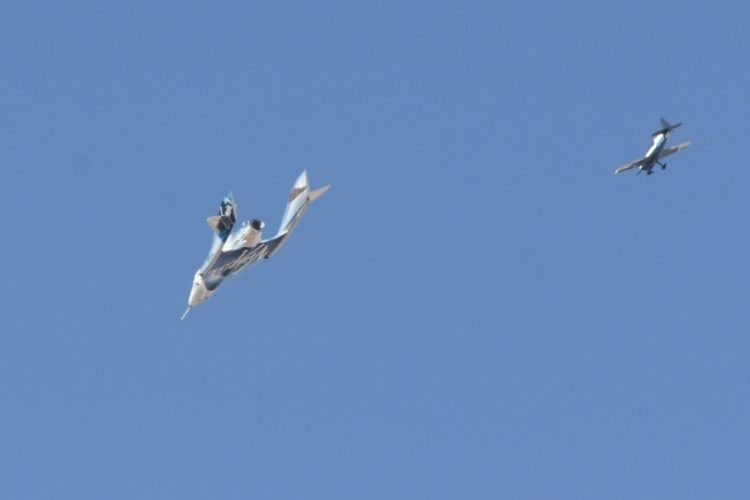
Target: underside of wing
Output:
{"points": [[274, 242], [631, 165], [674, 149], [233, 261]]}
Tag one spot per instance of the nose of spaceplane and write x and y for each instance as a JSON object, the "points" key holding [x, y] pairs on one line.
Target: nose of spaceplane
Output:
{"points": [[196, 296], [196, 293], [199, 292]]}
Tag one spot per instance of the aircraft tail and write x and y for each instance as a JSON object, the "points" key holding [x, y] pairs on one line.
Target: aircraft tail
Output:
{"points": [[314, 195], [299, 199], [223, 222], [666, 127]]}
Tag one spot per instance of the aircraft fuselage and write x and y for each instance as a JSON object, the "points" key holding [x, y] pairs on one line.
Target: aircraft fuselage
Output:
{"points": [[653, 153], [232, 252]]}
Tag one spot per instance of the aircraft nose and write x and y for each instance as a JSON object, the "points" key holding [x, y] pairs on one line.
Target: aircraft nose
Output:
{"points": [[196, 296], [197, 292]]}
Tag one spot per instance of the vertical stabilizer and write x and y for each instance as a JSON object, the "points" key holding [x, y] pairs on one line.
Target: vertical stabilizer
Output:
{"points": [[223, 222], [296, 203], [668, 127], [299, 199]]}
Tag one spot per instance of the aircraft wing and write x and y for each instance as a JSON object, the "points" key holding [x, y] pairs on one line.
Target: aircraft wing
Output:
{"points": [[274, 242], [633, 164], [673, 149], [232, 262]]}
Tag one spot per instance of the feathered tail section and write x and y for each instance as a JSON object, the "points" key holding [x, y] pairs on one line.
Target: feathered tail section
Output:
{"points": [[300, 198], [223, 222]]}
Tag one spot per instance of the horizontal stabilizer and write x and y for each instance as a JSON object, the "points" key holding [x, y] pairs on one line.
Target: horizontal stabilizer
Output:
{"points": [[214, 221], [220, 223], [223, 222], [314, 195], [666, 127]]}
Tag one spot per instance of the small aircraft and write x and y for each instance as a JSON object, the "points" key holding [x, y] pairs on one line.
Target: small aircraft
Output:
{"points": [[657, 151], [234, 252]]}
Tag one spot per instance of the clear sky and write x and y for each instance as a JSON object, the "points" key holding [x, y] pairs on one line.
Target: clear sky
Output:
{"points": [[477, 309]]}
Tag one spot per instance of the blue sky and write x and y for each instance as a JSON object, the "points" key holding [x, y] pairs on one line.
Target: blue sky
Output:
{"points": [[477, 309]]}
